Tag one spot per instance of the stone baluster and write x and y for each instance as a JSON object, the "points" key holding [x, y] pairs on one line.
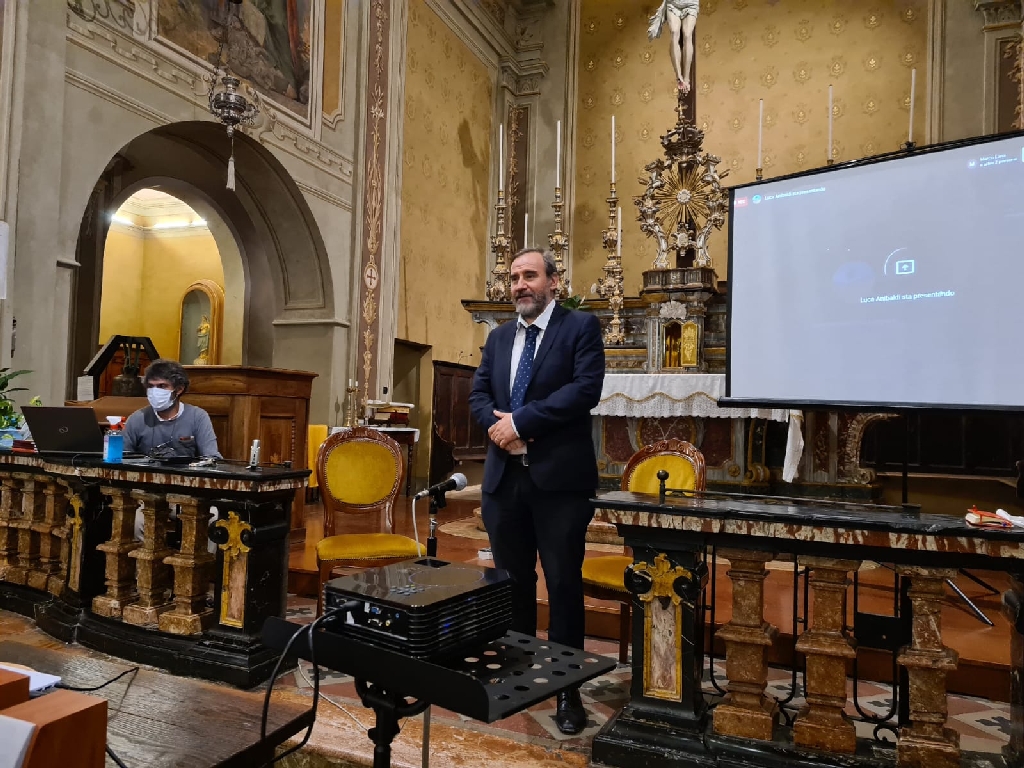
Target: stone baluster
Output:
{"points": [[32, 503], [50, 530], [826, 647], [926, 742], [746, 712], [192, 569], [153, 575], [10, 509], [120, 569]]}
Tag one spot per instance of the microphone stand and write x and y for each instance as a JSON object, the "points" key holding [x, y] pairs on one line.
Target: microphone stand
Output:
{"points": [[437, 502]]}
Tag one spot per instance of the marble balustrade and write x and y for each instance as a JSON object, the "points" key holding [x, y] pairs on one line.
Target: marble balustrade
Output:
{"points": [[69, 557], [672, 724]]}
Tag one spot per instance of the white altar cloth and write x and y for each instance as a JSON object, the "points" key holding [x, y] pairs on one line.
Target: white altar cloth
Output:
{"points": [[668, 395]]}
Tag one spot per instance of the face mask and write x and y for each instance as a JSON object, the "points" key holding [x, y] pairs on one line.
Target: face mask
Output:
{"points": [[160, 399]]}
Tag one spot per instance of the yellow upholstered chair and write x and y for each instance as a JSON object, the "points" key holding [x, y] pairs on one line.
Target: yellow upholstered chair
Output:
{"points": [[604, 577], [316, 435], [359, 471]]}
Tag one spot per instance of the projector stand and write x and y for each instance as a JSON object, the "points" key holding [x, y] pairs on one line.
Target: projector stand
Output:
{"points": [[389, 708], [915, 508]]}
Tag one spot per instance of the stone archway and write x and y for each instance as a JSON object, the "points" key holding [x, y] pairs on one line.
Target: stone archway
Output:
{"points": [[272, 249]]}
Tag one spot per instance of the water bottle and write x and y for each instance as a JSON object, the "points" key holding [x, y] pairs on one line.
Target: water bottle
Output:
{"points": [[113, 446]]}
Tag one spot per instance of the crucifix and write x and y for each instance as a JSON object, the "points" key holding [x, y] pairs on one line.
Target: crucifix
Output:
{"points": [[681, 16]]}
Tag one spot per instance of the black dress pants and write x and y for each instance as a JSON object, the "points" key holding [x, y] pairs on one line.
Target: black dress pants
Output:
{"points": [[522, 521]]}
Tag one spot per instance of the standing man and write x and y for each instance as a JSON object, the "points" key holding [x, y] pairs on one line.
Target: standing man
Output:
{"points": [[539, 378]]}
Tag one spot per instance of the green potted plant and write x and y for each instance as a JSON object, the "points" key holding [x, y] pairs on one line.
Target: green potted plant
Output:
{"points": [[10, 418]]}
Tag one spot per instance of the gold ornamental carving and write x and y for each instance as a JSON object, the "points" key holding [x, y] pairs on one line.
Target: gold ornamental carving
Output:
{"points": [[683, 200], [663, 629], [75, 535], [236, 566]]}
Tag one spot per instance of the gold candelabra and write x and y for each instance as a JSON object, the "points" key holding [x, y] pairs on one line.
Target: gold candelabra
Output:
{"points": [[500, 289], [611, 285], [351, 399], [558, 241]]}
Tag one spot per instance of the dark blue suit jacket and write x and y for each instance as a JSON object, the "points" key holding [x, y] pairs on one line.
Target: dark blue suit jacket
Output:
{"points": [[568, 372]]}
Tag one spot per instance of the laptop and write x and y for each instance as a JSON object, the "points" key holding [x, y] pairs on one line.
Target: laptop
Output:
{"points": [[64, 430]]}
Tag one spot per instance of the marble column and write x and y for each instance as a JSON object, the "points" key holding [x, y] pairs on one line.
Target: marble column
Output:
{"points": [[192, 569], [10, 508], [826, 647], [152, 574], [50, 530], [120, 568], [926, 742], [32, 501], [747, 713]]}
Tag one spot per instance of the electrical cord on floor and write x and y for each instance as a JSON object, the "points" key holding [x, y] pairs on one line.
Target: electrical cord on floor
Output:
{"points": [[89, 689], [310, 630], [331, 701], [115, 758]]}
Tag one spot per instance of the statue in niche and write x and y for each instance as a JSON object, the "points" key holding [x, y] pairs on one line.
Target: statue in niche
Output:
{"points": [[681, 16], [203, 342]]}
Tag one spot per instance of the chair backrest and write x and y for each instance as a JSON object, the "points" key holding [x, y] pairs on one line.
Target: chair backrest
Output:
{"points": [[316, 436], [359, 470], [683, 462]]}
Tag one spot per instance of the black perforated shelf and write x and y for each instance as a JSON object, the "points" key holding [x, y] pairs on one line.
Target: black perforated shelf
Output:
{"points": [[496, 680]]}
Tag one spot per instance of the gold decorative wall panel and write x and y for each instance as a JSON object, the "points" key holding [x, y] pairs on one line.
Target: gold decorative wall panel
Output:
{"points": [[784, 51], [445, 172]]}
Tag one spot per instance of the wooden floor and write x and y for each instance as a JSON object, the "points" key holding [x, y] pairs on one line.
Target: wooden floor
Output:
{"points": [[984, 651], [155, 719]]}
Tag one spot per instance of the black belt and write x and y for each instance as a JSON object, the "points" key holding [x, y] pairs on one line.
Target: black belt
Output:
{"points": [[521, 459]]}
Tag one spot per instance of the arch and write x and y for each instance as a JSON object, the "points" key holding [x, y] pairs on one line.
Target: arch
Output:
{"points": [[274, 256]]}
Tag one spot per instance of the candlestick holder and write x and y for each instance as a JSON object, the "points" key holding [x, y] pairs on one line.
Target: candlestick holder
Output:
{"points": [[830, 161], [908, 146], [558, 241], [500, 287], [759, 174], [351, 398], [611, 285]]}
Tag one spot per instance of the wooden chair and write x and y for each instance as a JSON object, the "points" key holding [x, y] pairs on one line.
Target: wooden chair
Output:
{"points": [[604, 577], [359, 471]]}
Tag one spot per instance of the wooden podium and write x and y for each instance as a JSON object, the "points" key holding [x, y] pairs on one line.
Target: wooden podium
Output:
{"points": [[266, 404]]}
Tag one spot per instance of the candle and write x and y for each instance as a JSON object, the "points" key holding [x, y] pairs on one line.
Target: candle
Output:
{"points": [[618, 238], [526, 231], [613, 149], [760, 131], [558, 154], [501, 157], [913, 89], [829, 156], [351, 383]]}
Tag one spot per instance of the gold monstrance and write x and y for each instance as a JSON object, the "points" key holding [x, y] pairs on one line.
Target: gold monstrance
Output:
{"points": [[683, 199]]}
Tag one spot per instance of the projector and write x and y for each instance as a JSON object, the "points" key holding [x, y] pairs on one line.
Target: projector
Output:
{"points": [[422, 608]]}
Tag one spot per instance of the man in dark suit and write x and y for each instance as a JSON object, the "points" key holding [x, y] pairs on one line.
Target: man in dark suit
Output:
{"points": [[539, 378]]}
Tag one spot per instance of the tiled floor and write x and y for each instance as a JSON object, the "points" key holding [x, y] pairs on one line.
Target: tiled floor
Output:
{"points": [[983, 725]]}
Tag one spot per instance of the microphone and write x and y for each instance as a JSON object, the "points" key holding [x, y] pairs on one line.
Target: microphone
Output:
{"points": [[454, 483]]}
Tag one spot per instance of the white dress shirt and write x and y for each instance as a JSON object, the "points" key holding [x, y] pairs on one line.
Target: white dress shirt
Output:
{"points": [[519, 344]]}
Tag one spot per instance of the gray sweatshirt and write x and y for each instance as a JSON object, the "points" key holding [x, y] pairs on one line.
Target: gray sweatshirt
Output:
{"points": [[190, 434]]}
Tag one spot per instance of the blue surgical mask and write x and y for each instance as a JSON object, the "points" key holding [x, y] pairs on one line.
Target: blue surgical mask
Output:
{"points": [[160, 399]]}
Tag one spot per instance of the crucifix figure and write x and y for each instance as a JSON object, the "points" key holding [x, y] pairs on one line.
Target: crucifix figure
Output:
{"points": [[681, 16]]}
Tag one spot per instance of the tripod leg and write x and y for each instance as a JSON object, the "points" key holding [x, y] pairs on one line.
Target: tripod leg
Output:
{"points": [[974, 609], [980, 582]]}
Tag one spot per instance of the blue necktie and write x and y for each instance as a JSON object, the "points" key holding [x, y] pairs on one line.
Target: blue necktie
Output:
{"points": [[525, 368]]}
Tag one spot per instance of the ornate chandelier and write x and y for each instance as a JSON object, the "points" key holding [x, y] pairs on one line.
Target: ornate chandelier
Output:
{"points": [[227, 103]]}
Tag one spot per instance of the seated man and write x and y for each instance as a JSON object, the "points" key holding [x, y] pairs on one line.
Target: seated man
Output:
{"points": [[168, 427]]}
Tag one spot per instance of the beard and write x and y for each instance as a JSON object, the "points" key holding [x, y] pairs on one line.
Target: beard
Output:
{"points": [[530, 305]]}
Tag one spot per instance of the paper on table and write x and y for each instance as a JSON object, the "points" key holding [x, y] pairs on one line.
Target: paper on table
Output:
{"points": [[37, 681], [16, 736]]}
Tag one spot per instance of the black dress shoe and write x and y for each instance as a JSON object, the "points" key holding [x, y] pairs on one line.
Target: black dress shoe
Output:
{"points": [[570, 716]]}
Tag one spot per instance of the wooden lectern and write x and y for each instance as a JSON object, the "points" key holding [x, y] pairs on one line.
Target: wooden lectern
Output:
{"points": [[266, 404]]}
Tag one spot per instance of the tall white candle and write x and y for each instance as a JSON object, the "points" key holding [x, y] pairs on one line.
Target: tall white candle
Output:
{"points": [[760, 131], [558, 154], [913, 93], [613, 149], [829, 155], [618, 238], [501, 157], [526, 231]]}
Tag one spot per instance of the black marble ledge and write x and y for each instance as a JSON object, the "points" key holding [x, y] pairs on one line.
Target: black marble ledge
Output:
{"points": [[139, 473], [872, 531]]}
